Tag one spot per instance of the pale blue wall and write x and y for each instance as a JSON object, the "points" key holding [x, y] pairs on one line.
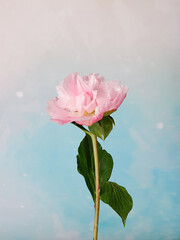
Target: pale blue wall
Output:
{"points": [[42, 197]]}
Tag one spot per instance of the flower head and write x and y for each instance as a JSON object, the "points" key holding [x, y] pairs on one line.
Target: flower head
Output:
{"points": [[85, 99]]}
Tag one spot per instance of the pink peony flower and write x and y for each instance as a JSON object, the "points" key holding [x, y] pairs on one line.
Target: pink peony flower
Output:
{"points": [[86, 99]]}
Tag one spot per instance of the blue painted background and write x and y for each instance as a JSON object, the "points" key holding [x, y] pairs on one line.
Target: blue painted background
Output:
{"points": [[42, 196]]}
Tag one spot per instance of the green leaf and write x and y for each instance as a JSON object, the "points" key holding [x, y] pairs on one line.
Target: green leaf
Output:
{"points": [[105, 165], [85, 164], [118, 198], [103, 127], [96, 129], [111, 193]]}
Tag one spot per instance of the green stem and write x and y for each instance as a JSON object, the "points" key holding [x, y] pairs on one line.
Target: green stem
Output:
{"points": [[81, 127], [97, 193], [97, 182]]}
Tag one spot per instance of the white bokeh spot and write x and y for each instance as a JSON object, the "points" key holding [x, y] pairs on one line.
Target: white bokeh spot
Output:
{"points": [[19, 94], [160, 125]]}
